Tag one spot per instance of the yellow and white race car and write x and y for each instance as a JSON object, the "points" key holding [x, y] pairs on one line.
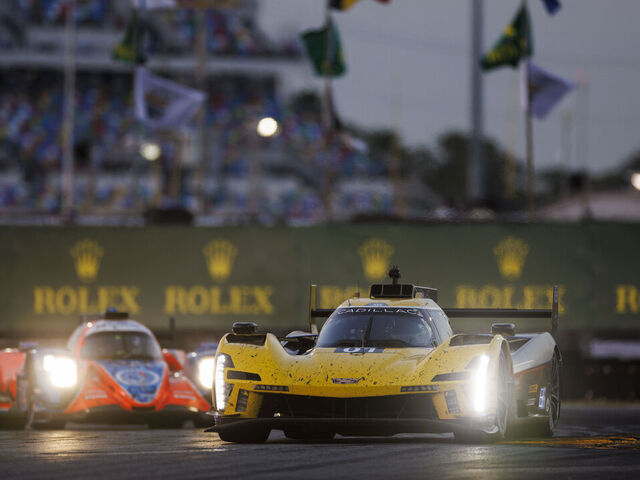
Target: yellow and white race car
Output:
{"points": [[386, 364]]}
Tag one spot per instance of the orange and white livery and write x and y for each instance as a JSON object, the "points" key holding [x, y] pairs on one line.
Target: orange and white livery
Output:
{"points": [[113, 371]]}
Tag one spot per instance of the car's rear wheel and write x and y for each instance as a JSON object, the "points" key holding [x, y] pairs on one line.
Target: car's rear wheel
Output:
{"points": [[253, 435], [503, 400], [553, 401]]}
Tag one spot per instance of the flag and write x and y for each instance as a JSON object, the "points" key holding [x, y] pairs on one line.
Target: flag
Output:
{"points": [[161, 103], [545, 90], [325, 51], [194, 4], [342, 4], [552, 6], [130, 49], [515, 43]]}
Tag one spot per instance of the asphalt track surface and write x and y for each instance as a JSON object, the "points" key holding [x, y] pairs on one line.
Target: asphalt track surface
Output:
{"points": [[591, 442]]}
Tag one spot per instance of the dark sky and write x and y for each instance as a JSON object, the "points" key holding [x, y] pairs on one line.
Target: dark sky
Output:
{"points": [[409, 68]]}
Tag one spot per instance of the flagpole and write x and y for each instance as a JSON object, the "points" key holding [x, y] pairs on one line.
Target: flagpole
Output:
{"points": [[327, 114], [531, 205], [201, 75], [69, 107], [524, 65], [475, 170]]}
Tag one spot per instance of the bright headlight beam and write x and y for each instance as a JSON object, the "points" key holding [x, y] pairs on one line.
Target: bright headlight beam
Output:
{"points": [[206, 367], [222, 388], [63, 371], [480, 385]]}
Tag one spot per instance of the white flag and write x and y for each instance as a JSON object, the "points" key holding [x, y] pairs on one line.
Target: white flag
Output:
{"points": [[195, 4], [161, 103]]}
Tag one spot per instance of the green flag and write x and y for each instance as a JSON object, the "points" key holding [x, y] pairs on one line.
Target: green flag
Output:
{"points": [[325, 51], [130, 50], [515, 43]]}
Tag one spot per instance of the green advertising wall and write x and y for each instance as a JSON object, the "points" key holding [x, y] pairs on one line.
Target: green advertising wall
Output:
{"points": [[207, 278]]}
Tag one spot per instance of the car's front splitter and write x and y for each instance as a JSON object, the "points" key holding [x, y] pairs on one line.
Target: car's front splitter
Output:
{"points": [[345, 426]]}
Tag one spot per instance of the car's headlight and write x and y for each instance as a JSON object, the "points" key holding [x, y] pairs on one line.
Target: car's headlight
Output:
{"points": [[206, 367], [63, 371], [480, 384], [222, 388]]}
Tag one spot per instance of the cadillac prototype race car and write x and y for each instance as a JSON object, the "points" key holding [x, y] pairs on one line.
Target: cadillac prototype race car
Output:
{"points": [[386, 364], [113, 371]]}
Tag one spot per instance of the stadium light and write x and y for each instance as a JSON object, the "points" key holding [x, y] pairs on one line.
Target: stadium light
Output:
{"points": [[635, 180], [150, 151], [267, 127]]}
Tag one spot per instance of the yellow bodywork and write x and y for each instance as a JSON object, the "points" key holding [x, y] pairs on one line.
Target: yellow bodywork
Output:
{"points": [[377, 374]]}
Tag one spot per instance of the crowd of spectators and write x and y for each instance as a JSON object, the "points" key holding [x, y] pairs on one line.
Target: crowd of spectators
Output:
{"points": [[110, 174], [228, 31], [302, 170]]}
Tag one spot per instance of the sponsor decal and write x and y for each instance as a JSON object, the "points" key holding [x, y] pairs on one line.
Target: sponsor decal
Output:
{"points": [[219, 255], [346, 381], [86, 259], [542, 400], [511, 254], [94, 394], [137, 377], [140, 379], [358, 350], [375, 255], [533, 388], [367, 309]]}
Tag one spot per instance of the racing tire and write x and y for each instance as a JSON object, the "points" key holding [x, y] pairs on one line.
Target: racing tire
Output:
{"points": [[17, 421], [255, 435], [166, 423], [204, 421], [503, 401], [49, 425], [299, 434]]}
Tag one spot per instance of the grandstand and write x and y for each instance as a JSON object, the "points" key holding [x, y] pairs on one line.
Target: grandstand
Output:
{"points": [[231, 176]]}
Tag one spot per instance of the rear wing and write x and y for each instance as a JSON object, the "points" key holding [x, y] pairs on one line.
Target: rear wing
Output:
{"points": [[552, 314], [314, 311], [513, 313]]}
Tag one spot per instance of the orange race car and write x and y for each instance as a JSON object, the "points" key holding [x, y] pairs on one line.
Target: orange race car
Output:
{"points": [[113, 371]]}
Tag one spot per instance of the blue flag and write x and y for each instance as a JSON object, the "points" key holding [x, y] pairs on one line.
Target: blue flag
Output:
{"points": [[545, 90], [552, 6]]}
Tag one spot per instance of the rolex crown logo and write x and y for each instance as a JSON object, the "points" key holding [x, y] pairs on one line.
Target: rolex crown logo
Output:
{"points": [[219, 255], [511, 254], [375, 255], [86, 258]]}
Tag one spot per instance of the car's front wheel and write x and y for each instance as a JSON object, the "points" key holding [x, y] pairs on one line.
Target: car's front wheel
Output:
{"points": [[253, 435], [301, 434], [503, 400]]}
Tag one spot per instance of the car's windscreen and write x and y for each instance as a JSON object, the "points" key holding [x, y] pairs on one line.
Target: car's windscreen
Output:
{"points": [[121, 345], [376, 327]]}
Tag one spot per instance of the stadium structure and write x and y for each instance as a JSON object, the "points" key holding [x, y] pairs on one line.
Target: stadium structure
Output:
{"points": [[218, 169]]}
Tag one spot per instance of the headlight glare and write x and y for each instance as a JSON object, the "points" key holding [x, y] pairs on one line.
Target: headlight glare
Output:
{"points": [[206, 367], [63, 371], [480, 384], [222, 388]]}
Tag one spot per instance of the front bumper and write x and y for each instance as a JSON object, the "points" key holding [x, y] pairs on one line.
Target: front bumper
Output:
{"points": [[116, 415]]}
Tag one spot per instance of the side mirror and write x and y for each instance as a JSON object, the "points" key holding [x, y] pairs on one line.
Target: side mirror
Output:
{"points": [[173, 359], [504, 329], [244, 328]]}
